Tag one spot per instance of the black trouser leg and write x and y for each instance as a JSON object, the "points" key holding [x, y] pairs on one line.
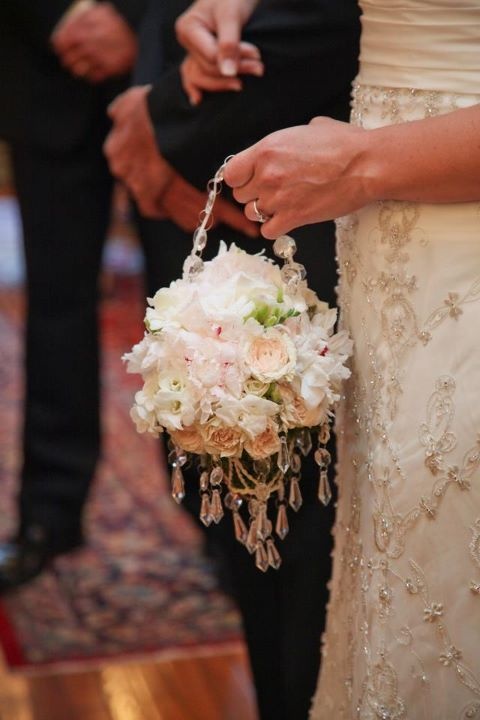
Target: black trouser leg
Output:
{"points": [[64, 202]]}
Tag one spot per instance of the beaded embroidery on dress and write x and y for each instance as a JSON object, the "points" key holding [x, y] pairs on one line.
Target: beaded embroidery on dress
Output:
{"points": [[403, 631]]}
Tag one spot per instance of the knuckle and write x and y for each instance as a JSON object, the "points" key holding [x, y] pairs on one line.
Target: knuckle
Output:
{"points": [[271, 174]]}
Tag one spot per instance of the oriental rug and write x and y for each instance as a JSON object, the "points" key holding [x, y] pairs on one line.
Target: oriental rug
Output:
{"points": [[141, 586]]}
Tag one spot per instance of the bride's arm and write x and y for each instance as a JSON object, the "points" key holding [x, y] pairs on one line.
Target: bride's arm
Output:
{"points": [[327, 169], [435, 160]]}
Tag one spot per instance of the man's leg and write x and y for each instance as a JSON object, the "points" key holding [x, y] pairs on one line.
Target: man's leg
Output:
{"points": [[64, 203]]}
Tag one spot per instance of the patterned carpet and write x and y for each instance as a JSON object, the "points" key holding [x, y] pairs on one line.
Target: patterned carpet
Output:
{"points": [[141, 585]]}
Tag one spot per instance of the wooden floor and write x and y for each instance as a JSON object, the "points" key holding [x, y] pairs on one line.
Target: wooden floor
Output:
{"points": [[195, 688]]}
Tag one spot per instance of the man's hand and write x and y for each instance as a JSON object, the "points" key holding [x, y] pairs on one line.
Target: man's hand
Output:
{"points": [[96, 43], [211, 29], [183, 203], [132, 153], [196, 79], [157, 188]]}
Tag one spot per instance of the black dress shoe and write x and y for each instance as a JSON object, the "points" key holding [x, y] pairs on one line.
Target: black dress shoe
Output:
{"points": [[26, 556]]}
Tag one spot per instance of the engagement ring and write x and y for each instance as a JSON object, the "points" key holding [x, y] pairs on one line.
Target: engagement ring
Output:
{"points": [[261, 217]]}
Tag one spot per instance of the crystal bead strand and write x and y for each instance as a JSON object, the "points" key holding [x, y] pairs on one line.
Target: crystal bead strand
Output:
{"points": [[193, 264], [293, 273]]}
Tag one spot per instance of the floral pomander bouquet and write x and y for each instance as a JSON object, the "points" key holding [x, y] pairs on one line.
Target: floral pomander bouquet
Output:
{"points": [[240, 366]]}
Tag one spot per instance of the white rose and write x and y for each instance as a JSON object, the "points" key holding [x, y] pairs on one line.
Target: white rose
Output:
{"points": [[252, 386], [271, 356]]}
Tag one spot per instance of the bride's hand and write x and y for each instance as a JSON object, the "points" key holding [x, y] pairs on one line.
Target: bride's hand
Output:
{"points": [[301, 175]]}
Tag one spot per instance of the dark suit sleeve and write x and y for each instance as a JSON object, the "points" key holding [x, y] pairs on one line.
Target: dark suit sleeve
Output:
{"points": [[310, 61], [36, 18]]}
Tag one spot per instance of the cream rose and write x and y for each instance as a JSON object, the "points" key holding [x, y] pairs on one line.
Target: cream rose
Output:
{"points": [[222, 440], [293, 411], [252, 386], [189, 439], [271, 356], [265, 444]]}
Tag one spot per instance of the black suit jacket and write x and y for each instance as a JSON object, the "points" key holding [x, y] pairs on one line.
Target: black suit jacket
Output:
{"points": [[40, 102], [310, 49]]}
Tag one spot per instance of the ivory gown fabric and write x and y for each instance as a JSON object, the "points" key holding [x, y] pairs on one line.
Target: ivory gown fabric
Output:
{"points": [[403, 634]]}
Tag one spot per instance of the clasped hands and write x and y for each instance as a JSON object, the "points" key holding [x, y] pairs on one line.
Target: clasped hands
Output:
{"points": [[93, 41], [158, 189], [134, 157]]}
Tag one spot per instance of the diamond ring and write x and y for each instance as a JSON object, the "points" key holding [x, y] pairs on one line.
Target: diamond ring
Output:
{"points": [[261, 217]]}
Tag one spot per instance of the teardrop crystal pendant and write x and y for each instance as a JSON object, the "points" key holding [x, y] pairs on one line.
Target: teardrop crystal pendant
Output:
{"points": [[295, 463], [324, 491], [304, 441], [216, 507], [264, 526], [205, 510], [274, 559], [240, 528], [261, 558], [252, 542], [281, 526], [295, 499], [178, 484], [283, 459]]}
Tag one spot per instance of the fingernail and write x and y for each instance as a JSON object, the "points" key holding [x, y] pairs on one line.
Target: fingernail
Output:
{"points": [[228, 67], [258, 71]]}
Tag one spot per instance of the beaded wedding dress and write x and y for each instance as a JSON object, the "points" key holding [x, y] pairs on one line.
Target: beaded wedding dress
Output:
{"points": [[403, 632]]}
